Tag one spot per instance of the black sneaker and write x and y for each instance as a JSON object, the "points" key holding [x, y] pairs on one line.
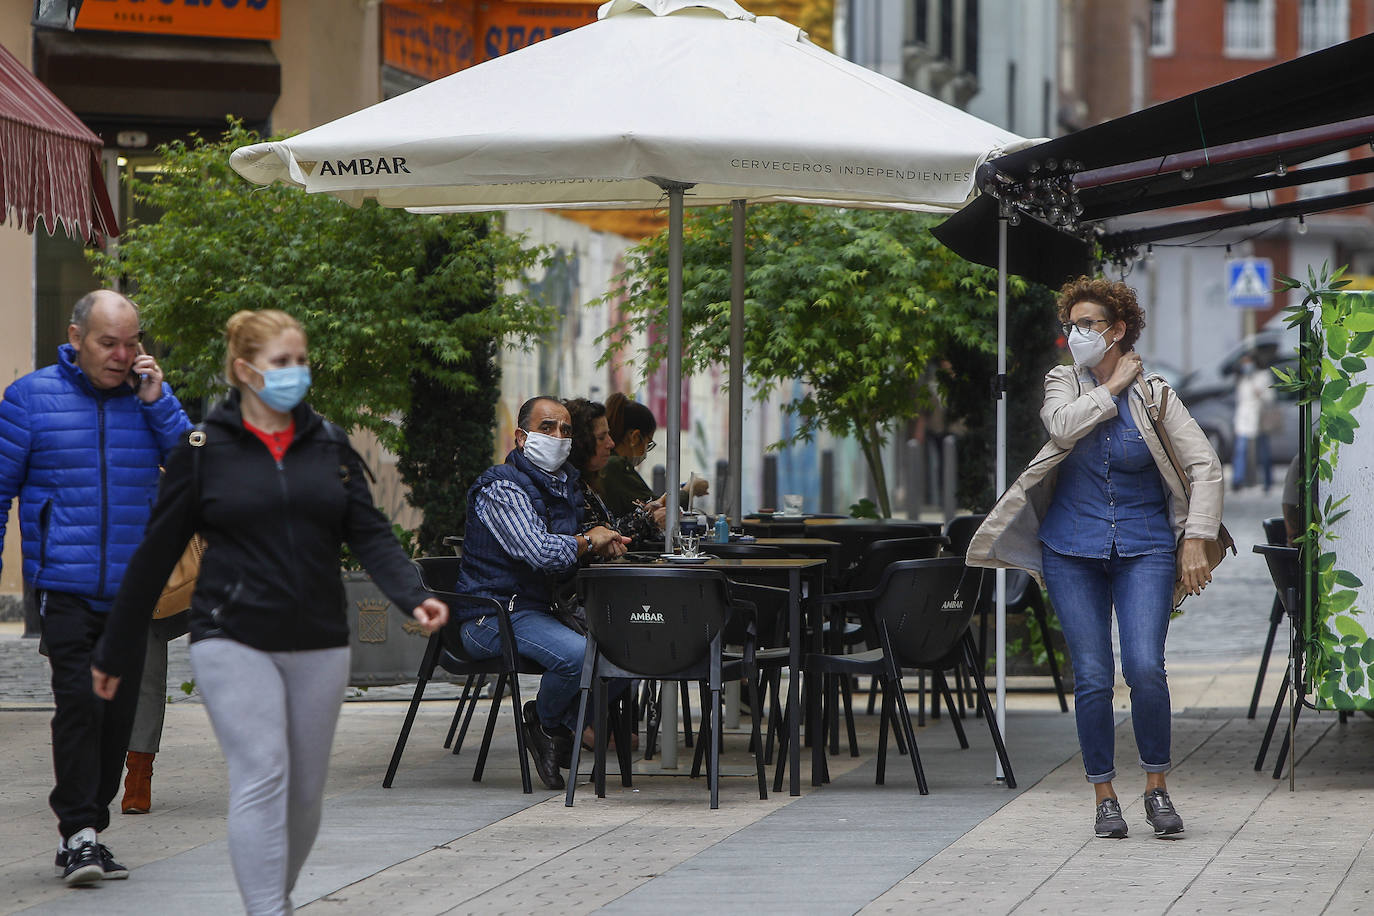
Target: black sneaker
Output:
{"points": [[84, 866], [1161, 814], [1110, 823], [113, 870]]}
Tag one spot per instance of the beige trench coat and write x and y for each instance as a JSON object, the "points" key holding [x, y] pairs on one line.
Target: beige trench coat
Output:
{"points": [[1074, 404]]}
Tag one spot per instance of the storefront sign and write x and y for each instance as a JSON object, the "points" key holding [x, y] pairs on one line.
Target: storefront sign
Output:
{"points": [[260, 19], [433, 40]]}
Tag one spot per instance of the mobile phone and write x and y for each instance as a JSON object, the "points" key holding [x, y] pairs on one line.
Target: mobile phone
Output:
{"points": [[135, 379]]}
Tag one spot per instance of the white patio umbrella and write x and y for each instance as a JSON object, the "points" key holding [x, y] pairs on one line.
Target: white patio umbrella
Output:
{"points": [[680, 100]]}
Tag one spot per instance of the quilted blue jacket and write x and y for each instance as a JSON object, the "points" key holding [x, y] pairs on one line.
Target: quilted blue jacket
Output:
{"points": [[84, 463]]}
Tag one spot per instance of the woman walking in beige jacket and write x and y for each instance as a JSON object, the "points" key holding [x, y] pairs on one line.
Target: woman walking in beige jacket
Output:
{"points": [[1099, 516]]}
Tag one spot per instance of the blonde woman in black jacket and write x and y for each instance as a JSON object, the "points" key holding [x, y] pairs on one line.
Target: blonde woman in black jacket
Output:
{"points": [[275, 490]]}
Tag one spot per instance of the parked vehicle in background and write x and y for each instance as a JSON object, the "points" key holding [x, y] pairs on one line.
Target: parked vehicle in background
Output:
{"points": [[1210, 394], [1171, 373]]}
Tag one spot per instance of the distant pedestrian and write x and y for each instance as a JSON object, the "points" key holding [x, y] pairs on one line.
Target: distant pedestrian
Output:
{"points": [[1253, 419], [80, 445], [1099, 513], [275, 490]]}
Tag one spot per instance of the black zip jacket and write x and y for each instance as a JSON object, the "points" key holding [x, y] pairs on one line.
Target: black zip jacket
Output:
{"points": [[270, 575]]}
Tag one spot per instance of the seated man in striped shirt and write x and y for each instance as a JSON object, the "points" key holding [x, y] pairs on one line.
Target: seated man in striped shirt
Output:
{"points": [[520, 541]]}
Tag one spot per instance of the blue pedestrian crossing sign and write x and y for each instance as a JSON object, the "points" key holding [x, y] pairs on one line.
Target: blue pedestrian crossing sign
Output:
{"points": [[1250, 282]]}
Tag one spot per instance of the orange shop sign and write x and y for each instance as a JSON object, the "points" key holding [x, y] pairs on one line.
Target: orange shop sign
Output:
{"points": [[434, 39], [209, 18]]}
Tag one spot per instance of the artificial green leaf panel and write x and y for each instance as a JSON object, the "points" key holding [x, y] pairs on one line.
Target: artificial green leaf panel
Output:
{"points": [[1340, 531]]}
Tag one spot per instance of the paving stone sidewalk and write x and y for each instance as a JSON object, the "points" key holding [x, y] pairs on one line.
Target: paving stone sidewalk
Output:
{"points": [[439, 843]]}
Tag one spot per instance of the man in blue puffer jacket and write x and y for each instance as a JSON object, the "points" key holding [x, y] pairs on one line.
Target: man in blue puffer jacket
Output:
{"points": [[80, 445]]}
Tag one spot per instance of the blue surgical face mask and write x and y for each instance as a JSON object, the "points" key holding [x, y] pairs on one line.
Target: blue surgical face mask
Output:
{"points": [[282, 389]]}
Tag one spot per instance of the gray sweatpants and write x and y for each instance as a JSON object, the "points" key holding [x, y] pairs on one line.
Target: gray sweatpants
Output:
{"points": [[274, 715]]}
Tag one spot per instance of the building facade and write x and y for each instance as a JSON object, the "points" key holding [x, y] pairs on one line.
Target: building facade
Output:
{"points": [[1190, 46]]}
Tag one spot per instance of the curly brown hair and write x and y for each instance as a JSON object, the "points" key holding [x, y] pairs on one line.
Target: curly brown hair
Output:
{"points": [[1115, 297]]}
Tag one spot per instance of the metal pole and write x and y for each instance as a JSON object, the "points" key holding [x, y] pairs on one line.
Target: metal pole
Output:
{"points": [[674, 418], [736, 498], [667, 725], [1000, 577]]}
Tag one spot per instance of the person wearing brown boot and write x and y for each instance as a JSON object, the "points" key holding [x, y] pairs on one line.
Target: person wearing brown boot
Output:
{"points": [[138, 783], [146, 735]]}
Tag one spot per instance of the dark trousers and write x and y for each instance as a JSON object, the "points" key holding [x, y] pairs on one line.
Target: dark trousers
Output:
{"points": [[89, 735]]}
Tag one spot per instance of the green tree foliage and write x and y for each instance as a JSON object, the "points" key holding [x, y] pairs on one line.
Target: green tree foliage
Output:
{"points": [[966, 374], [857, 304], [404, 312], [449, 440], [363, 282]]}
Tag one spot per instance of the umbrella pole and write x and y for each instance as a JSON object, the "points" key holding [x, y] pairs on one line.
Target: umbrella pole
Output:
{"points": [[668, 696], [735, 498], [674, 458], [1000, 577]]}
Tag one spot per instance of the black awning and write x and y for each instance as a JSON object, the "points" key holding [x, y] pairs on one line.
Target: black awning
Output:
{"points": [[1247, 135], [136, 80]]}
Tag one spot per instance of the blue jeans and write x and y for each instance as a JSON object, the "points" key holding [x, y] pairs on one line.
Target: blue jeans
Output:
{"points": [[1240, 455], [1084, 591], [541, 639]]}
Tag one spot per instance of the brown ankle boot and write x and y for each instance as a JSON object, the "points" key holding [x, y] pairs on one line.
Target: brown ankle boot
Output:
{"points": [[138, 784]]}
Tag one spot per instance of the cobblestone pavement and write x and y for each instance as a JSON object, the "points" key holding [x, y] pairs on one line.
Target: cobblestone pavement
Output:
{"points": [[439, 843]]}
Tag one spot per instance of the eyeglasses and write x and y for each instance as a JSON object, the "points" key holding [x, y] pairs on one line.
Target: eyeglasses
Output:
{"points": [[649, 446], [1083, 326]]}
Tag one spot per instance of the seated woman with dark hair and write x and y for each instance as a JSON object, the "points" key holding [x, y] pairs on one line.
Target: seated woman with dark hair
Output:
{"points": [[631, 426], [591, 448]]}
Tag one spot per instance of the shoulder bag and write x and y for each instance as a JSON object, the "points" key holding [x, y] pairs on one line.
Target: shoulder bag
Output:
{"points": [[181, 584], [1215, 549]]}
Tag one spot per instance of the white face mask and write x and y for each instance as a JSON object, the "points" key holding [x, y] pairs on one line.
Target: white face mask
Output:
{"points": [[547, 452], [1088, 349]]}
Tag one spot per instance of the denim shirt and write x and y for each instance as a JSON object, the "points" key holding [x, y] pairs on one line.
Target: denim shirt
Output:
{"points": [[1109, 495]]}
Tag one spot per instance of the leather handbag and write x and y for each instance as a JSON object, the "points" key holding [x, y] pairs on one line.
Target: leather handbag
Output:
{"points": [[181, 584], [1215, 549]]}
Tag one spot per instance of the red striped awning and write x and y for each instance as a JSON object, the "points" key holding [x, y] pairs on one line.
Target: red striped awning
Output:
{"points": [[49, 161]]}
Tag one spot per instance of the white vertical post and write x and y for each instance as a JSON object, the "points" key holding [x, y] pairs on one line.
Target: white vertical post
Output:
{"points": [[1000, 577]]}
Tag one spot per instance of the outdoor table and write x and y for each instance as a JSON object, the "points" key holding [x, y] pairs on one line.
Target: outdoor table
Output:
{"points": [[775, 526], [796, 636], [833, 527], [814, 547]]}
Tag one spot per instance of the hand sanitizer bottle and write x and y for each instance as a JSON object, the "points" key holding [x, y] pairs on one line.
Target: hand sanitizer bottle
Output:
{"points": [[722, 529]]}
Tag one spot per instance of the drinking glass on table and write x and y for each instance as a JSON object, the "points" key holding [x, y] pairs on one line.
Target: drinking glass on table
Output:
{"points": [[690, 528], [791, 504]]}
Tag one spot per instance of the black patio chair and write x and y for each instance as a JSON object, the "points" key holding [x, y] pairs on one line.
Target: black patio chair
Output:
{"points": [[855, 538], [1286, 572], [960, 530], [1274, 533], [445, 650], [665, 624], [845, 629], [1023, 594], [922, 610]]}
